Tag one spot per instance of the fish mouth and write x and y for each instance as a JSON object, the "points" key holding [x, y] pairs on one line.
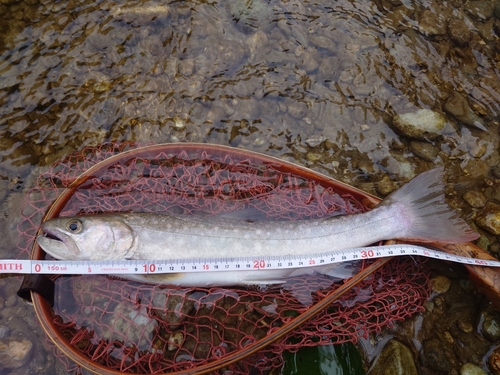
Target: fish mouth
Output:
{"points": [[51, 236], [53, 244]]}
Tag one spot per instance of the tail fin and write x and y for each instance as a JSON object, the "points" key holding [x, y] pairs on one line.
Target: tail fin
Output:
{"points": [[431, 218]]}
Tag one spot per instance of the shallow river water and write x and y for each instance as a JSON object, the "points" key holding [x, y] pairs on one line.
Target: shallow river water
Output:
{"points": [[370, 92]]}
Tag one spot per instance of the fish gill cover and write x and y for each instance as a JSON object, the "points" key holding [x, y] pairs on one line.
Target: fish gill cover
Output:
{"points": [[144, 329]]}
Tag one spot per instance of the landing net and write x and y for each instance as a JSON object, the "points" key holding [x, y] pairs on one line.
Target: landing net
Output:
{"points": [[151, 329]]}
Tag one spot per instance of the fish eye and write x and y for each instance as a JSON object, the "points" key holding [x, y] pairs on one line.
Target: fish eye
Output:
{"points": [[74, 226]]}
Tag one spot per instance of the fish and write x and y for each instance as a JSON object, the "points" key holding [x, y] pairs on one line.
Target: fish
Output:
{"points": [[417, 212]]}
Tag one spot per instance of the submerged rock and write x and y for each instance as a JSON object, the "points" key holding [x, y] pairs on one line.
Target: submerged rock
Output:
{"points": [[14, 353], [430, 23], [490, 219], [494, 361], [433, 355], [395, 359], [386, 186], [421, 124], [423, 150], [252, 15], [470, 369], [490, 327], [459, 32], [458, 107], [475, 199], [440, 284], [314, 140]]}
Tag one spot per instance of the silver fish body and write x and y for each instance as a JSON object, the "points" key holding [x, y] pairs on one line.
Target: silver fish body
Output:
{"points": [[416, 211]]}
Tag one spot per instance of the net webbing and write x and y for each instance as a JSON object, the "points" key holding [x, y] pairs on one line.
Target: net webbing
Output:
{"points": [[141, 328]]}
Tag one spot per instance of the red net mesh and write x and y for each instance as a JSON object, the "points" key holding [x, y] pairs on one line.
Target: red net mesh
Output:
{"points": [[146, 329]]}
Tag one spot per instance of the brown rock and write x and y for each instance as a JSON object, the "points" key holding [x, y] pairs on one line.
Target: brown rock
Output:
{"points": [[490, 219], [459, 32]]}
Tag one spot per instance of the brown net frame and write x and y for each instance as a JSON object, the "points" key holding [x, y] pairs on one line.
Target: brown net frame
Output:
{"points": [[151, 329]]}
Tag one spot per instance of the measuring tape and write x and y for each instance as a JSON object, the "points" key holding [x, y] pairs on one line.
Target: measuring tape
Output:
{"points": [[116, 267]]}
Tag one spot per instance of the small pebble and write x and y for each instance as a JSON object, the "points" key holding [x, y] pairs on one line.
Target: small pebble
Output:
{"points": [[476, 149], [395, 358], [13, 353], [459, 32], [313, 157], [490, 327], [440, 284], [421, 124], [465, 327], [314, 140], [490, 219], [386, 186], [475, 199], [175, 341], [423, 150], [470, 369], [494, 361]]}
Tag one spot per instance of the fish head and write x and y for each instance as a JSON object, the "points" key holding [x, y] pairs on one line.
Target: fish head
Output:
{"points": [[100, 237]]}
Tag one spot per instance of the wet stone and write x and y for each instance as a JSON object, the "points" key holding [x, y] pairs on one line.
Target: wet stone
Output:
{"points": [[458, 107], [471, 369], [421, 124], [14, 353], [323, 42], [490, 219], [480, 10], [440, 284], [386, 186], [459, 32], [476, 168], [494, 361], [423, 150], [476, 148], [429, 23], [175, 341], [395, 359], [315, 140], [465, 327], [475, 199], [297, 110], [256, 43], [309, 61], [313, 157], [434, 356], [491, 325]]}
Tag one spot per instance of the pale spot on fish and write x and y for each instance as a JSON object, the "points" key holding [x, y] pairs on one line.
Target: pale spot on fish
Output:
{"points": [[257, 247], [246, 236], [258, 232]]}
